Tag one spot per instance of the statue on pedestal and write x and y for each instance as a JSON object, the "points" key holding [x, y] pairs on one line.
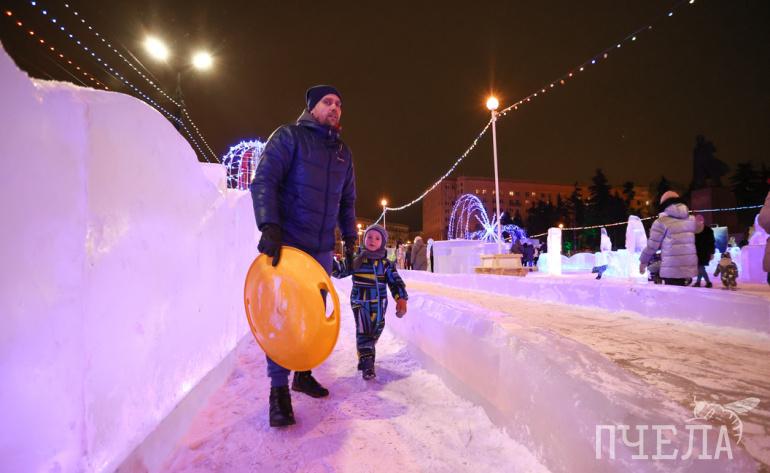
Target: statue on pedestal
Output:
{"points": [[707, 170]]}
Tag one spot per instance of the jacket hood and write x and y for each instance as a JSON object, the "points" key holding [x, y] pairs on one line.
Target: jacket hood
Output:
{"points": [[677, 210], [306, 119]]}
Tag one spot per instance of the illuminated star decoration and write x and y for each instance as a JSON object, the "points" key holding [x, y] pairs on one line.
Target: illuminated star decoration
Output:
{"points": [[241, 163]]}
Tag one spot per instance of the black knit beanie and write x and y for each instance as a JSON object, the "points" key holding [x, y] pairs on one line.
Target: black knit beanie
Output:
{"points": [[317, 92]]}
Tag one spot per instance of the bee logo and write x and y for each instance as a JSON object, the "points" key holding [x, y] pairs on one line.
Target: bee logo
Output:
{"points": [[726, 414]]}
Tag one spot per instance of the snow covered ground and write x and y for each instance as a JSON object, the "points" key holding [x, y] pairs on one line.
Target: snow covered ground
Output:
{"points": [[406, 420]]}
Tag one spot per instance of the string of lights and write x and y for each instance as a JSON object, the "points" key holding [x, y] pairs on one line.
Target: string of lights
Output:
{"points": [[36, 37], [594, 60], [115, 73], [590, 227], [562, 80], [31, 33], [144, 76], [441, 179]]}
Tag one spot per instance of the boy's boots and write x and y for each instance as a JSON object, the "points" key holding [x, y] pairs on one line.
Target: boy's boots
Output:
{"points": [[367, 367], [304, 382], [281, 413]]}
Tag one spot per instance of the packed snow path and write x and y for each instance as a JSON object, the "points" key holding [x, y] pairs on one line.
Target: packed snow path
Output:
{"points": [[406, 420]]}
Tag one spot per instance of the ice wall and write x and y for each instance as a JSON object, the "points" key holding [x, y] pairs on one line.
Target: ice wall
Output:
{"points": [[733, 309], [122, 271]]}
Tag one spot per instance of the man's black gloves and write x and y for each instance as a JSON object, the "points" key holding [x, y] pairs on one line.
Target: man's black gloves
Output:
{"points": [[350, 248], [270, 243]]}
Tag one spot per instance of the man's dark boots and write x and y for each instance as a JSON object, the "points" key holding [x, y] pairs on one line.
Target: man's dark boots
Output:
{"points": [[304, 382], [281, 413]]}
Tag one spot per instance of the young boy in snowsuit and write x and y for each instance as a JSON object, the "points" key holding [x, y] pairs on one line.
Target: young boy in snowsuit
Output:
{"points": [[728, 271], [372, 272]]}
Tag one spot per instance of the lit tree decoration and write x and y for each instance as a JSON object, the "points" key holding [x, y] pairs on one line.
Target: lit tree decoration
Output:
{"points": [[468, 213], [241, 163]]}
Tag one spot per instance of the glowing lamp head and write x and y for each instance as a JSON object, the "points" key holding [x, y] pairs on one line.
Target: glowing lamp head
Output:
{"points": [[492, 103], [383, 202], [561, 225], [156, 48], [359, 226], [202, 60]]}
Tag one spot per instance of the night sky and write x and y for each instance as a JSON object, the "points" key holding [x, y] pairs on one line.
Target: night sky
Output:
{"points": [[414, 77]]}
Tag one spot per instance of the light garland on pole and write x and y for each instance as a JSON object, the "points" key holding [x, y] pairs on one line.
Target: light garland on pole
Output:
{"points": [[562, 80], [120, 77]]}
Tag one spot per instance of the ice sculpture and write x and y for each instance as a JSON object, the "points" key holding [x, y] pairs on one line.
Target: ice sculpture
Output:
{"points": [[636, 240], [636, 237], [554, 251], [751, 255], [759, 237]]}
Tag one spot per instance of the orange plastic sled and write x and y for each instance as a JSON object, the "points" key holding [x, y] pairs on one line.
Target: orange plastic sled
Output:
{"points": [[286, 310]]}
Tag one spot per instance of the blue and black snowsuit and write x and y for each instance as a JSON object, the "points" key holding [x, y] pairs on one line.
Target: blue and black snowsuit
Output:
{"points": [[369, 298]]}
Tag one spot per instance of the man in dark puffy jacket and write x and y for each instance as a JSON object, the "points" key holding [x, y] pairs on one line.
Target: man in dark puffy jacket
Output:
{"points": [[303, 188]]}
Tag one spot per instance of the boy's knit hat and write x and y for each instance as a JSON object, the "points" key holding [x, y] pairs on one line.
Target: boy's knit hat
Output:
{"points": [[383, 233]]}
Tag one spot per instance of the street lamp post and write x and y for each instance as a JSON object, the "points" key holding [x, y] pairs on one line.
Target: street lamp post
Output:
{"points": [[492, 104], [384, 204], [201, 61], [180, 100]]}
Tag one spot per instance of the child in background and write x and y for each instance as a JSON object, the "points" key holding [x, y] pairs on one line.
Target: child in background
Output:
{"points": [[728, 271], [372, 272]]}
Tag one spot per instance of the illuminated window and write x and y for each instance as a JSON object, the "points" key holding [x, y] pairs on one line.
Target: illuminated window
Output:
{"points": [[510, 193]]}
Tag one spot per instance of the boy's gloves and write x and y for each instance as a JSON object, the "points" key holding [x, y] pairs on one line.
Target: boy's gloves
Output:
{"points": [[350, 248], [400, 308], [270, 243]]}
